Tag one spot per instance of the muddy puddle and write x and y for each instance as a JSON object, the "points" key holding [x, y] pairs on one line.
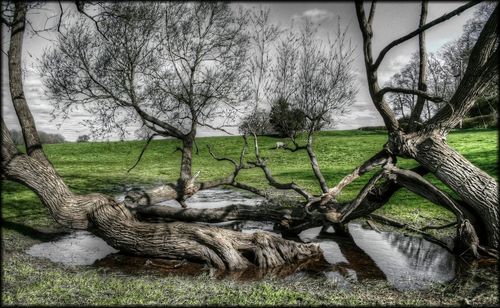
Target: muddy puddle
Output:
{"points": [[405, 262]]}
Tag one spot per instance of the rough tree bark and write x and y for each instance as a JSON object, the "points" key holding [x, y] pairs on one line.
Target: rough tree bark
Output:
{"points": [[16, 90], [113, 221]]}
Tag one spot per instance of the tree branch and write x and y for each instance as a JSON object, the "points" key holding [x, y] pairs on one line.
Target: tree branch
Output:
{"points": [[451, 224], [420, 30], [378, 159], [142, 152], [372, 13], [231, 179], [314, 163], [28, 127], [422, 86], [361, 196], [222, 214], [232, 161], [174, 132], [9, 149], [296, 147], [5, 22], [271, 180], [61, 13], [422, 187], [383, 108], [80, 8], [419, 93]]}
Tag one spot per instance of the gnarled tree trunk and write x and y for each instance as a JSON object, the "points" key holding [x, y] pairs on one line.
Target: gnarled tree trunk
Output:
{"points": [[476, 188]]}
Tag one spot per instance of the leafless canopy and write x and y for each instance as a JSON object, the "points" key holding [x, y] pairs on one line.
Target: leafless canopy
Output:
{"points": [[170, 65]]}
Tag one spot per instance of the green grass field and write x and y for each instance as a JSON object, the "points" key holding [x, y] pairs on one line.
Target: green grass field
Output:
{"points": [[101, 167]]}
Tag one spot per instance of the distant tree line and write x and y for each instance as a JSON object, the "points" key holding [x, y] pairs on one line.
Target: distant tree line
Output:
{"points": [[45, 138]]}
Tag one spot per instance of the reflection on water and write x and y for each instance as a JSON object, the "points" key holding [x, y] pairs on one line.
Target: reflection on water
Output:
{"points": [[408, 262], [77, 248], [213, 198], [141, 265], [405, 262]]}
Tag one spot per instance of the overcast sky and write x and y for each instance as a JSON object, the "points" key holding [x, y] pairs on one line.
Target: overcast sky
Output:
{"points": [[392, 20]]}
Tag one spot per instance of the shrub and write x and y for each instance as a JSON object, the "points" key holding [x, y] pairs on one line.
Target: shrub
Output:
{"points": [[287, 121]]}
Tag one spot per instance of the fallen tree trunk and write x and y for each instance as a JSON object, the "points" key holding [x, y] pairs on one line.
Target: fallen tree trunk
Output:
{"points": [[228, 213], [114, 222]]}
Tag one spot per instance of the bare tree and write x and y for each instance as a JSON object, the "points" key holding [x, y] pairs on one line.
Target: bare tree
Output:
{"points": [[315, 81], [319, 85], [262, 34], [172, 66], [112, 220], [436, 83], [284, 70], [407, 78], [256, 123]]}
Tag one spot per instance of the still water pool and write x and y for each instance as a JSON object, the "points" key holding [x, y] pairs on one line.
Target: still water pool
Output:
{"points": [[406, 262]]}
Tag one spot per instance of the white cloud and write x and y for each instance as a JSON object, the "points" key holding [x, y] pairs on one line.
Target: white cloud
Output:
{"points": [[317, 16]]}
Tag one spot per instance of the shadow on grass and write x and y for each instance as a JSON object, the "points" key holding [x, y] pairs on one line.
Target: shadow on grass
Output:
{"points": [[32, 232]]}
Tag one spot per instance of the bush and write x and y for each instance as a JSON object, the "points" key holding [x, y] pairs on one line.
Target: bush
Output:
{"points": [[368, 128], [287, 121], [486, 121], [83, 138]]}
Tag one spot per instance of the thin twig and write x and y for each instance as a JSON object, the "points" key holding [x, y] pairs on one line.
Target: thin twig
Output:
{"points": [[79, 7], [420, 93], [60, 17]]}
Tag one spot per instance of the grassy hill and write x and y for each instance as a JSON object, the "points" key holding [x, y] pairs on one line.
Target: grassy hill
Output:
{"points": [[102, 166]]}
